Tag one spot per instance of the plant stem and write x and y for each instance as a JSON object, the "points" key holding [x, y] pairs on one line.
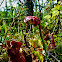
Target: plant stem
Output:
{"points": [[42, 40]]}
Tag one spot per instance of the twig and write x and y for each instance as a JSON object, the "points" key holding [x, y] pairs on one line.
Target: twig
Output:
{"points": [[19, 9], [18, 26], [12, 22], [52, 49], [54, 57], [1, 2], [9, 28]]}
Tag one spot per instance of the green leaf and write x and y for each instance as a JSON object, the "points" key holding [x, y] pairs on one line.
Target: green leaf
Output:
{"points": [[55, 13], [39, 55], [59, 2], [2, 31], [60, 8], [59, 48], [0, 39], [55, 36], [7, 38], [36, 2], [4, 24], [60, 34], [47, 16], [53, 9], [57, 7]]}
